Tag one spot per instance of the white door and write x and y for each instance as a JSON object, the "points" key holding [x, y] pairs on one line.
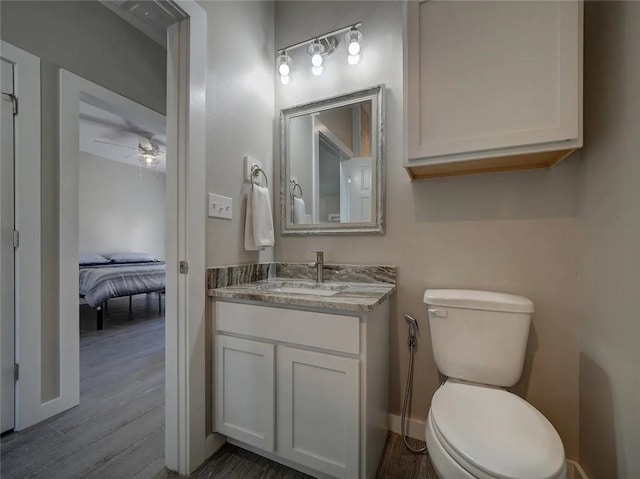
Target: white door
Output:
{"points": [[318, 411], [7, 252], [245, 392], [357, 178]]}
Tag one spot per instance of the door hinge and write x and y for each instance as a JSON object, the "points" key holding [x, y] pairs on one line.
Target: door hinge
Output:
{"points": [[16, 238], [16, 372], [14, 101], [184, 267]]}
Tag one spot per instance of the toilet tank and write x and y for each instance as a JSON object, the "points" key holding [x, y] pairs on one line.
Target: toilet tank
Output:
{"points": [[479, 336]]}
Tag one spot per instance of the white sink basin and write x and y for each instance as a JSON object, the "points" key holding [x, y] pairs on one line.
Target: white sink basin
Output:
{"points": [[303, 290]]}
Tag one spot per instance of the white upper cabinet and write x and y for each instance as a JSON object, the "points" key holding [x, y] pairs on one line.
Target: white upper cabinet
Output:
{"points": [[491, 85]]}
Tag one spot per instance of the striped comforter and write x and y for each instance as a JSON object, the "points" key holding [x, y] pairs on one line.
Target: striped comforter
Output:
{"points": [[100, 283]]}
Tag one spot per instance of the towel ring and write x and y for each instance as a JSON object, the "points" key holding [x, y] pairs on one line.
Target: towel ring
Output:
{"points": [[295, 185], [255, 172]]}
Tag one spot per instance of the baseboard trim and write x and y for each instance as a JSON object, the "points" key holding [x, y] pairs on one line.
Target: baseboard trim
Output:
{"points": [[575, 471], [416, 430]]}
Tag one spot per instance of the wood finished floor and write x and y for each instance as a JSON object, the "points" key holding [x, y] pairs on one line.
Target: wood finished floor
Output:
{"points": [[117, 431]]}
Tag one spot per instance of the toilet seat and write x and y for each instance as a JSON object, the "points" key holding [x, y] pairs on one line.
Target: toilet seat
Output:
{"points": [[492, 433]]}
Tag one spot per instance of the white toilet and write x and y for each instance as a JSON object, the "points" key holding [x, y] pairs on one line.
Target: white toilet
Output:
{"points": [[476, 429]]}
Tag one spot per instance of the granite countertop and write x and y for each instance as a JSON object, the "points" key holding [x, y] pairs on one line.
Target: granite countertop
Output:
{"points": [[349, 296]]}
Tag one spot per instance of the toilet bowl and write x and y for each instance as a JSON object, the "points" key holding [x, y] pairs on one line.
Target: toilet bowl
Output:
{"points": [[475, 428], [476, 431]]}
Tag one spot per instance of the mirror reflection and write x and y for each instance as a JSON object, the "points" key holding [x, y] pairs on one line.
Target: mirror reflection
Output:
{"points": [[331, 166]]}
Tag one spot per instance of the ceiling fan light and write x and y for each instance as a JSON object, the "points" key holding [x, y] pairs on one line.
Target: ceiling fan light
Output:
{"points": [[149, 159]]}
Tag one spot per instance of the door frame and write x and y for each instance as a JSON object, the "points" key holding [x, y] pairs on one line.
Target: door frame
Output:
{"points": [[188, 439], [28, 301], [74, 89]]}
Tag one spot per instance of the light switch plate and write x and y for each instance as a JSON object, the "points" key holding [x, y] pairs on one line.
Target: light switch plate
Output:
{"points": [[220, 207]]}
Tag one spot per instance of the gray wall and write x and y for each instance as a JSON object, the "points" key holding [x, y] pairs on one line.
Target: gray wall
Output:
{"points": [[513, 232], [118, 210], [240, 104], [86, 39], [301, 157], [610, 210]]}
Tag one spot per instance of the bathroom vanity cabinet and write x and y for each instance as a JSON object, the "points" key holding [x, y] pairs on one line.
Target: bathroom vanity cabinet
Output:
{"points": [[304, 387], [492, 86]]}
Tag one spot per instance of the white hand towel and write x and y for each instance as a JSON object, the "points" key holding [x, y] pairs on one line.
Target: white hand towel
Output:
{"points": [[299, 212], [258, 225]]}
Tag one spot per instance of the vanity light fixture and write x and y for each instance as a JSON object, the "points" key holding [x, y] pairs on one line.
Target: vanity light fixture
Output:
{"points": [[319, 48]]}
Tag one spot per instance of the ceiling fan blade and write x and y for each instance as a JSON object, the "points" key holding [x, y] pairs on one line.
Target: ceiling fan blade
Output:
{"points": [[115, 144], [131, 156]]}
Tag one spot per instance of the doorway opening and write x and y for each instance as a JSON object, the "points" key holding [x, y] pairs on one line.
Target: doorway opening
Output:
{"points": [[50, 384]]}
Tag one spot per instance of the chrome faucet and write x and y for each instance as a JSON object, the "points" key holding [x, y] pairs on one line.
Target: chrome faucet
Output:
{"points": [[319, 264]]}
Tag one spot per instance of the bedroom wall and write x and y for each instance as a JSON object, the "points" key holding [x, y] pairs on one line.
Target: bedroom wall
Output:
{"points": [[89, 40], [512, 232], [119, 211]]}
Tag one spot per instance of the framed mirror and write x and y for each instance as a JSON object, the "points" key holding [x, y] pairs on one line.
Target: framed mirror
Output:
{"points": [[332, 165]]}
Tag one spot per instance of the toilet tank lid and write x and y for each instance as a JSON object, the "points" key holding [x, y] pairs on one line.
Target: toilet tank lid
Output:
{"points": [[482, 300]]}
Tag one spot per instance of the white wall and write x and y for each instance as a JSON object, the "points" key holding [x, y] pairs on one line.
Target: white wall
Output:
{"points": [[513, 232], [119, 211], [610, 210]]}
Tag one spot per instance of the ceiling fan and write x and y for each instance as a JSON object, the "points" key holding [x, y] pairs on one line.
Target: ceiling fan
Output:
{"points": [[148, 151]]}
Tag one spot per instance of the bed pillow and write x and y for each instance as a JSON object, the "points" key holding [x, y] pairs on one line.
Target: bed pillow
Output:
{"points": [[131, 257], [85, 259]]}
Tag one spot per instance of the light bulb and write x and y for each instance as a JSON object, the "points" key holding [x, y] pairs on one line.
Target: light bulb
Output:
{"points": [[285, 79], [353, 38], [317, 70], [149, 159], [284, 69], [316, 50], [353, 59], [284, 61]]}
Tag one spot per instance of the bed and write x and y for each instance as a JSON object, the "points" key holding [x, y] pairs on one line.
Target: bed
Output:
{"points": [[117, 277]]}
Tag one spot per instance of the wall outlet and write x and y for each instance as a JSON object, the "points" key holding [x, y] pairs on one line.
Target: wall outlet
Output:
{"points": [[220, 207]]}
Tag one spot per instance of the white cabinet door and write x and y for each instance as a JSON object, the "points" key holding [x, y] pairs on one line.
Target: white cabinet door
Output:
{"points": [[318, 411], [486, 75], [245, 396]]}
